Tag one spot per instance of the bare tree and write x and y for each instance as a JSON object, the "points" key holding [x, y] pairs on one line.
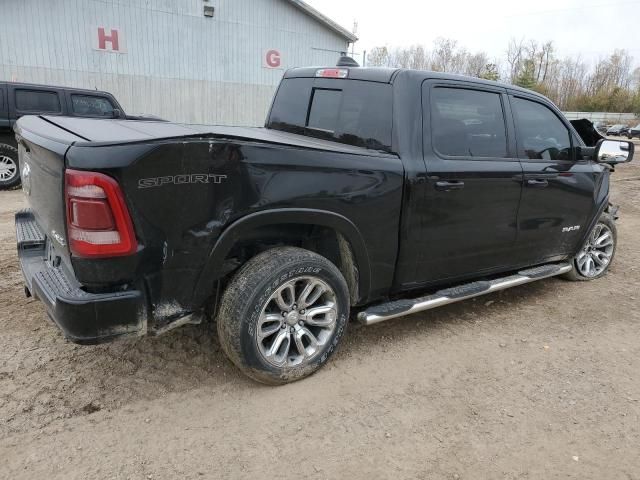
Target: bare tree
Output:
{"points": [[609, 84]]}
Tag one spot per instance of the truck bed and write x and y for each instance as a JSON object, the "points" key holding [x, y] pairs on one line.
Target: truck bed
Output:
{"points": [[192, 192], [105, 132]]}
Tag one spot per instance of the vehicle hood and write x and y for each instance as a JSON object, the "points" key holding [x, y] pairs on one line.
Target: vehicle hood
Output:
{"points": [[590, 136]]}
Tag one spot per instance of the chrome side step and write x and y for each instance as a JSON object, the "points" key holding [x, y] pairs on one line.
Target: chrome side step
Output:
{"points": [[399, 308]]}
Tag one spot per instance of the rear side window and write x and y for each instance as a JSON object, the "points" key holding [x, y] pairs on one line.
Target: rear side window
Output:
{"points": [[37, 101], [467, 123], [541, 134], [347, 111], [91, 106]]}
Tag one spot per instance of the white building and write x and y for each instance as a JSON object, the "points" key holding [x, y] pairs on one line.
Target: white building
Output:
{"points": [[196, 61]]}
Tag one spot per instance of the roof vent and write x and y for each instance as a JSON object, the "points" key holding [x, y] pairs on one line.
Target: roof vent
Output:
{"points": [[345, 61]]}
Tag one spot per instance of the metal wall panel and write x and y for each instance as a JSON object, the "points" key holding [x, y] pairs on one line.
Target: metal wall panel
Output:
{"points": [[177, 63]]}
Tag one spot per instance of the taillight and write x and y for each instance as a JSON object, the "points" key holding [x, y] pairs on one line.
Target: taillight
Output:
{"points": [[98, 222], [332, 73]]}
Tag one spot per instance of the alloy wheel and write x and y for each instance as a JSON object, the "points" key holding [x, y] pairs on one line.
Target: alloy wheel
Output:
{"points": [[597, 252], [297, 322], [8, 168]]}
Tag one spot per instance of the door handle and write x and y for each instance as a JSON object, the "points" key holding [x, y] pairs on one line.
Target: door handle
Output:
{"points": [[446, 185], [537, 183]]}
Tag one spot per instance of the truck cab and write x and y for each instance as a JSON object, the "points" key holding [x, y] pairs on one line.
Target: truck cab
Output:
{"points": [[493, 173]]}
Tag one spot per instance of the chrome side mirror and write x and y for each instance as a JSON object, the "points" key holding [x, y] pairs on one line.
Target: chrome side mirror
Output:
{"points": [[614, 151]]}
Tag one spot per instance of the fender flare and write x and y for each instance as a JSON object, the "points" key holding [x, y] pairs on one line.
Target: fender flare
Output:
{"points": [[301, 216]]}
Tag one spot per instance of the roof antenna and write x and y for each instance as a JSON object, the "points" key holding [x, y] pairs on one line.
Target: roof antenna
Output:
{"points": [[345, 61]]}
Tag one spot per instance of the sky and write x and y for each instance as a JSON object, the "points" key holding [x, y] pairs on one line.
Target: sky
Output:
{"points": [[589, 28]]}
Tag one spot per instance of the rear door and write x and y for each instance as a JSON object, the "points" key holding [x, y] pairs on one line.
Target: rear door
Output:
{"points": [[558, 191], [473, 183]]}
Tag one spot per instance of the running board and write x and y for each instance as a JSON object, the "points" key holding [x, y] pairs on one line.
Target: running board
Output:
{"points": [[399, 308]]}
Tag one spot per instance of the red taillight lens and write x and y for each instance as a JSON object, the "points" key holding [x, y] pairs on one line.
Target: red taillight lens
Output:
{"points": [[332, 73], [98, 222]]}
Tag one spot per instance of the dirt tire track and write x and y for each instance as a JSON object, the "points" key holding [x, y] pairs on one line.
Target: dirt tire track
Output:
{"points": [[540, 381]]}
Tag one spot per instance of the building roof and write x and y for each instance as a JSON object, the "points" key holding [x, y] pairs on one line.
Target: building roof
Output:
{"points": [[312, 12]]}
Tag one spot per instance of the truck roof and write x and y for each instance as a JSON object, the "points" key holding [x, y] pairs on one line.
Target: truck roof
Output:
{"points": [[388, 75], [57, 87]]}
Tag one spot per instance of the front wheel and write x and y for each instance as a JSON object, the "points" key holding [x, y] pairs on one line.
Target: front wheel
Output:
{"points": [[283, 314], [595, 257]]}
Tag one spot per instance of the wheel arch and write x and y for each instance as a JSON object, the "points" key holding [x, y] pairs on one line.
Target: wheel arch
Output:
{"points": [[601, 206], [352, 248]]}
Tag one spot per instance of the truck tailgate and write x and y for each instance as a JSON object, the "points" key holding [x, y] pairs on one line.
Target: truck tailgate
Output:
{"points": [[42, 166]]}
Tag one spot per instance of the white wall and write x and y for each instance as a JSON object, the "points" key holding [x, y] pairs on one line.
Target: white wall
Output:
{"points": [[606, 117], [177, 63]]}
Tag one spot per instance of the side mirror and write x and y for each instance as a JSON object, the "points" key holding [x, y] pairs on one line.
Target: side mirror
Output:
{"points": [[116, 113], [614, 151]]}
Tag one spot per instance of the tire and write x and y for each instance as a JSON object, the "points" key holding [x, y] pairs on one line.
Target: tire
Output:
{"points": [[607, 223], [9, 167], [255, 333]]}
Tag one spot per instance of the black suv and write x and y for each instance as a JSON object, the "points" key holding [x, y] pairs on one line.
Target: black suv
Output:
{"points": [[18, 99]]}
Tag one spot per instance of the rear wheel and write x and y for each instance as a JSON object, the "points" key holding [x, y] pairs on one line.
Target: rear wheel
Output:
{"points": [[283, 315], [9, 169], [595, 257]]}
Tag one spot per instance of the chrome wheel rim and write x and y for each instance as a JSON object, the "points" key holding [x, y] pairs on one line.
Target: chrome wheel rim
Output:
{"points": [[597, 252], [8, 168], [297, 322]]}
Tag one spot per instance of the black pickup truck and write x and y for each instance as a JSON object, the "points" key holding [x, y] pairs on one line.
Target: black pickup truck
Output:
{"points": [[18, 99], [377, 192]]}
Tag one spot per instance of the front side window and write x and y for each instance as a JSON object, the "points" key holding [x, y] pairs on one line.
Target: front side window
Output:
{"points": [[37, 101], [467, 123], [541, 134], [91, 106], [347, 111]]}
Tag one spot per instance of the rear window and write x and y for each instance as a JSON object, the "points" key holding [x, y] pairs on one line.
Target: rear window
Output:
{"points": [[90, 105], [37, 101], [346, 111]]}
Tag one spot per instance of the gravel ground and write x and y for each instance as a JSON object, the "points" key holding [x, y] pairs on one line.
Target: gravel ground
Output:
{"points": [[541, 381]]}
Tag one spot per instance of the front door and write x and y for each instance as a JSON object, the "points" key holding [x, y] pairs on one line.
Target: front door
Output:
{"points": [[473, 185], [558, 190]]}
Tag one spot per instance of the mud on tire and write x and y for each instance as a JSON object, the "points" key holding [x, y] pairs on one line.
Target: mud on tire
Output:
{"points": [[250, 293]]}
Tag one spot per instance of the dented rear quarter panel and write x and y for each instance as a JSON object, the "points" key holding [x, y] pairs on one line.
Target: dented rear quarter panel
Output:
{"points": [[178, 217]]}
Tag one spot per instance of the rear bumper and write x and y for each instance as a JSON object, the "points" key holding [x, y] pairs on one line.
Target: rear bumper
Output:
{"points": [[84, 317]]}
